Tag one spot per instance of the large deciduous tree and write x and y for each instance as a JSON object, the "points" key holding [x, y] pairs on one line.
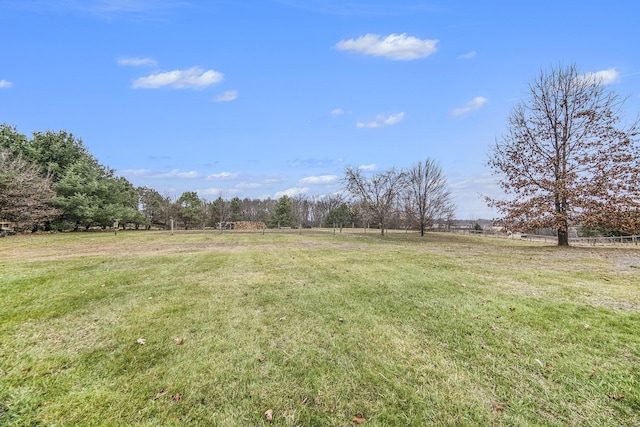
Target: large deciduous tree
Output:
{"points": [[567, 158], [427, 195], [379, 193]]}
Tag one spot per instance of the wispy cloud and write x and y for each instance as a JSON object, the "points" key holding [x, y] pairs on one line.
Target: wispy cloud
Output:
{"points": [[398, 47], [4, 84], [605, 77], [216, 192], [382, 120], [136, 62], [250, 185], [315, 162], [223, 175], [361, 7], [192, 78], [147, 173], [291, 192], [230, 95], [472, 105], [337, 112], [370, 167], [468, 55], [103, 8], [319, 180]]}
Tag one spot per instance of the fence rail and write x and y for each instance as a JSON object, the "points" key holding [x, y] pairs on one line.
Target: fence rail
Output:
{"points": [[597, 240]]}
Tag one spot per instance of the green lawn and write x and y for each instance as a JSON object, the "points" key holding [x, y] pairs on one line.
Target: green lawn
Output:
{"points": [[322, 329]]}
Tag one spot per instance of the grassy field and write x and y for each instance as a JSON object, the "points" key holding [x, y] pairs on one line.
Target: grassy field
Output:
{"points": [[210, 329]]}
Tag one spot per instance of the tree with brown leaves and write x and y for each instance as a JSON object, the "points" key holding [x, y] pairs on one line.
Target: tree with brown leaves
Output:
{"points": [[567, 158], [26, 197]]}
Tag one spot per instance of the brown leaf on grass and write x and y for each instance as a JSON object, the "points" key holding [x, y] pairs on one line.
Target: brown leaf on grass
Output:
{"points": [[512, 309], [616, 397], [498, 408], [261, 358], [141, 341], [549, 366], [178, 341], [161, 393], [359, 419], [269, 415], [425, 314], [177, 397]]}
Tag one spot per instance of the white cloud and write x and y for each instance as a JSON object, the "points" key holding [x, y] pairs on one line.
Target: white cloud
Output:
{"points": [[322, 179], [193, 78], [223, 175], [468, 55], [605, 77], [337, 112], [4, 84], [227, 96], [147, 173], [370, 167], [136, 62], [291, 192], [398, 47], [472, 105], [381, 121]]}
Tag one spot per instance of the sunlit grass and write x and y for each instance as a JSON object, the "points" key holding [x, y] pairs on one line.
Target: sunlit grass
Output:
{"points": [[320, 328]]}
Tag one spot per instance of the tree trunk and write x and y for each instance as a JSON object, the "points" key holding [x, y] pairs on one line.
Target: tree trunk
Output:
{"points": [[563, 237]]}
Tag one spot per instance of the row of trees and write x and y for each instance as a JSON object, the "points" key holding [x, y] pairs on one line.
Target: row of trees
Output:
{"points": [[404, 206], [51, 181]]}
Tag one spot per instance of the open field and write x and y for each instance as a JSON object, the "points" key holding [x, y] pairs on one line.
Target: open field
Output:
{"points": [[209, 329]]}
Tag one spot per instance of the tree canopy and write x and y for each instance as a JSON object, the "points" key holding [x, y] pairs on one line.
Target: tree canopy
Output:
{"points": [[567, 158]]}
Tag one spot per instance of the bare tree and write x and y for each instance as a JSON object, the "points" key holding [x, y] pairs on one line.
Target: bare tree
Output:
{"points": [[26, 197], [322, 205], [427, 196], [566, 158], [378, 193], [301, 209]]}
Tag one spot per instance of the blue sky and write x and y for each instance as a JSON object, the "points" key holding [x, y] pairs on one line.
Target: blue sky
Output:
{"points": [[260, 98]]}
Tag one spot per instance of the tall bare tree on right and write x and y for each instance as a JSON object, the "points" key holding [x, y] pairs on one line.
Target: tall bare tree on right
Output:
{"points": [[567, 158]]}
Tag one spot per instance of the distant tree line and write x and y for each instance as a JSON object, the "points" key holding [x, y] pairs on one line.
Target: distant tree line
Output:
{"points": [[51, 182]]}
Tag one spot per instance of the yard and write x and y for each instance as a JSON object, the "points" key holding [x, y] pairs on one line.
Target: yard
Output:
{"points": [[316, 329]]}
